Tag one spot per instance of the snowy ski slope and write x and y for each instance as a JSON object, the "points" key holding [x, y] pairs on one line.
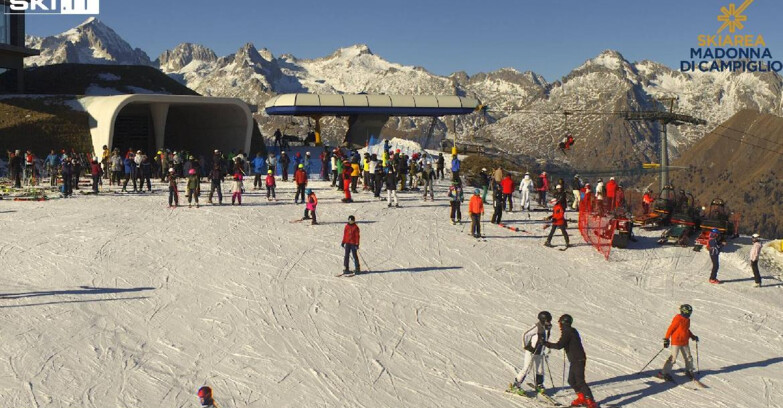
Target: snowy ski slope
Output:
{"points": [[118, 301]]}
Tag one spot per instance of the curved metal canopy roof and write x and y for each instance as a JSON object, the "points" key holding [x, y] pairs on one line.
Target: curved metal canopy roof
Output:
{"points": [[301, 104]]}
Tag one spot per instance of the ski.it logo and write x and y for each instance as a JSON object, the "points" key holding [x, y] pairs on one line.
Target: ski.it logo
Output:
{"points": [[54, 7]]}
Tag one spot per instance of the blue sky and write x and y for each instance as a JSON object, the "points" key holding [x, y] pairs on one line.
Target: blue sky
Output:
{"points": [[547, 37]]}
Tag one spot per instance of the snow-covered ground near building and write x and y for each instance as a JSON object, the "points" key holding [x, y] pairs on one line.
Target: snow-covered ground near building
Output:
{"points": [[119, 301]]}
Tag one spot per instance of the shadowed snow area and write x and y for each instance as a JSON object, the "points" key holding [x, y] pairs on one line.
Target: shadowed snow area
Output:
{"points": [[119, 301]]}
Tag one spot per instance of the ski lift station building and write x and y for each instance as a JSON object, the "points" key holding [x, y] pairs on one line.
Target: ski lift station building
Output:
{"points": [[150, 122], [367, 114]]}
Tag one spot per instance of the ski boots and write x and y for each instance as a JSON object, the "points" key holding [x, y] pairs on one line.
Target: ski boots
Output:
{"points": [[715, 281], [548, 244], [580, 400], [591, 403]]}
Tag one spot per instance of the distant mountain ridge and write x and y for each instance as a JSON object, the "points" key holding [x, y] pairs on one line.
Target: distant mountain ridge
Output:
{"points": [[524, 110]]}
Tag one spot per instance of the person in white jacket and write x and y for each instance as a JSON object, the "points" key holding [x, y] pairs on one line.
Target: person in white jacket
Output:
{"points": [[525, 189], [755, 251], [534, 340]]}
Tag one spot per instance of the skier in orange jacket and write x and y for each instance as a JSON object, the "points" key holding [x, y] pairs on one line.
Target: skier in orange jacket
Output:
{"points": [[680, 333], [476, 210]]}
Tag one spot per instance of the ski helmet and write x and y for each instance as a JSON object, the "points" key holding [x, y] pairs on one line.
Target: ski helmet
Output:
{"points": [[269, 172], [309, 191], [205, 392], [192, 171], [715, 231], [686, 309], [351, 218], [477, 191], [566, 319], [544, 317]]}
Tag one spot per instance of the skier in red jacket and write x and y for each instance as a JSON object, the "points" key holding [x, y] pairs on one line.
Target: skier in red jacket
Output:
{"points": [[351, 244], [347, 170], [507, 186], [558, 221]]}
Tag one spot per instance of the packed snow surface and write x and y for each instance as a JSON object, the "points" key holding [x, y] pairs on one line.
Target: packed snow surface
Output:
{"points": [[119, 301]]}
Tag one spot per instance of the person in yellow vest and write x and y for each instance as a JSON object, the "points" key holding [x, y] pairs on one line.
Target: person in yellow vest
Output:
{"points": [[366, 172], [355, 176]]}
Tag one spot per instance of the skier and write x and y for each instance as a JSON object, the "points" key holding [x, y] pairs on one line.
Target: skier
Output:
{"points": [[270, 185], [173, 193], [284, 162], [193, 187], [216, 180], [525, 189], [129, 166], [455, 166], [476, 210], [566, 143], [271, 163], [428, 175], [333, 165], [355, 171], [572, 342], [754, 259], [576, 188], [484, 183], [497, 206], [611, 189], [391, 187], [146, 173], [96, 171], [258, 169], [599, 196], [714, 247], [455, 200], [312, 202], [507, 185], [300, 177], [347, 171], [116, 168], [236, 189], [679, 332], [558, 221], [307, 162], [205, 397], [533, 341], [544, 187], [560, 196], [439, 164], [66, 170], [51, 163], [647, 199], [351, 244], [324, 165]]}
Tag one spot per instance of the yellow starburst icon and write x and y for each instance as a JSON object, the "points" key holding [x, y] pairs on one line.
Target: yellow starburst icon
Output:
{"points": [[732, 16]]}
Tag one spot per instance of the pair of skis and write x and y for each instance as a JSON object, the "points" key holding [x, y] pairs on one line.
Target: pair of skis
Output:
{"points": [[547, 399]]}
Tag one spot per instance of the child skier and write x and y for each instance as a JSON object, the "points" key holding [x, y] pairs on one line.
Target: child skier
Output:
{"points": [[534, 340], [193, 187], [476, 210], [455, 199], [680, 333], [391, 187], [205, 397], [173, 193], [351, 244], [270, 185], [570, 340], [236, 188], [312, 202]]}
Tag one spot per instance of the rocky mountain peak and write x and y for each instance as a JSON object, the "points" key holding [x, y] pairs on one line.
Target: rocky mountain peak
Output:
{"points": [[183, 54]]}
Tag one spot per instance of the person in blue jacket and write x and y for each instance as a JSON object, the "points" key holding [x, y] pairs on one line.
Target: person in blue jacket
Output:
{"points": [[455, 165], [130, 167], [714, 245], [258, 169]]}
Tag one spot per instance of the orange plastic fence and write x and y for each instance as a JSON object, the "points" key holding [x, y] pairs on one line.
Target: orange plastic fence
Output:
{"points": [[597, 229]]}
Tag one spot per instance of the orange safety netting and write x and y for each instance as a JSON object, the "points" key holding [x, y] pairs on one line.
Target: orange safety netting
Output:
{"points": [[596, 226]]}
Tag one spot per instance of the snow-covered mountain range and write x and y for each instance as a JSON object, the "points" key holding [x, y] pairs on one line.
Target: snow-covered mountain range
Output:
{"points": [[524, 110]]}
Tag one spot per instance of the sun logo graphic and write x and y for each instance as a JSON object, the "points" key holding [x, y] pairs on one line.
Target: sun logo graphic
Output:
{"points": [[732, 17]]}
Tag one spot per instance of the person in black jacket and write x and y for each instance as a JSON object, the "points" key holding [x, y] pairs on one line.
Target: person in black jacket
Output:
{"points": [[216, 180], [391, 187], [498, 206], [570, 340]]}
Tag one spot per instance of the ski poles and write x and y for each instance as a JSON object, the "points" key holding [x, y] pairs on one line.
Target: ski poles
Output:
{"points": [[367, 268], [551, 379], [698, 370], [564, 358], [651, 360]]}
